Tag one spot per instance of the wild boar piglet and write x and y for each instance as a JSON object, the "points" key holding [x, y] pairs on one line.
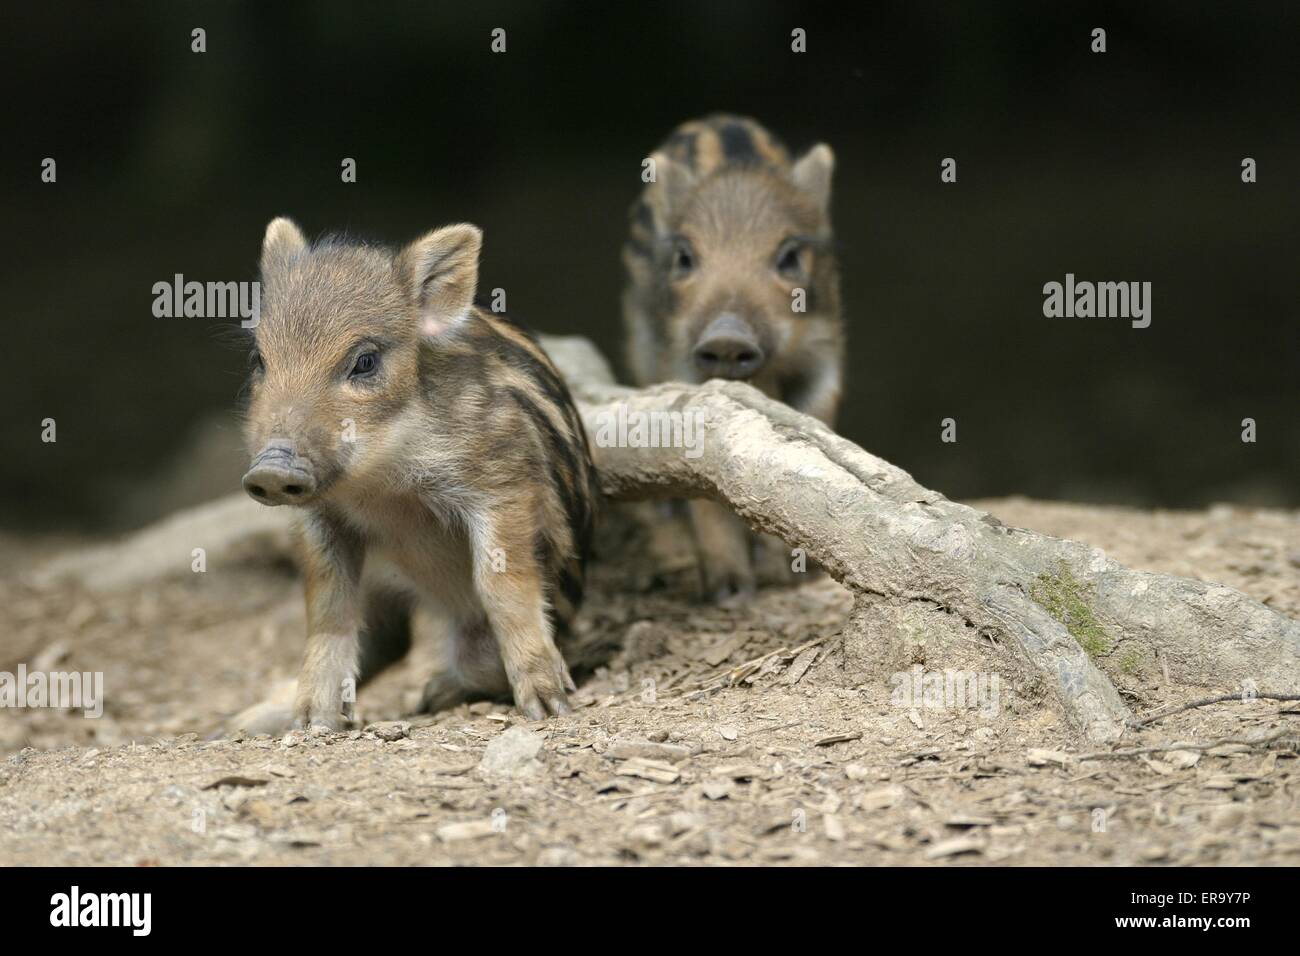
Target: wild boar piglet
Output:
{"points": [[432, 451], [732, 274]]}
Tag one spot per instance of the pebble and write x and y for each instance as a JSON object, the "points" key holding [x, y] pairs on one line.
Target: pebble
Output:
{"points": [[390, 730], [469, 830], [717, 789], [513, 753], [645, 749]]}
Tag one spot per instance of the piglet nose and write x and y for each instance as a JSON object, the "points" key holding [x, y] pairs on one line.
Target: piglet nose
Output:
{"points": [[277, 476], [728, 348]]}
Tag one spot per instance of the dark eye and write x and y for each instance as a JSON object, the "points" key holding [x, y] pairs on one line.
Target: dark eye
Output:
{"points": [[683, 258], [255, 361], [367, 363], [788, 262]]}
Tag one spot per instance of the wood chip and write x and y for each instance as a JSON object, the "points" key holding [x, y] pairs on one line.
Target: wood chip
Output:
{"points": [[882, 799], [834, 827], [1226, 781], [660, 771], [1036, 757], [738, 771], [955, 847], [745, 671], [1228, 750], [646, 750], [839, 738], [236, 781], [717, 653], [469, 830], [775, 823], [800, 666], [454, 770], [967, 820]]}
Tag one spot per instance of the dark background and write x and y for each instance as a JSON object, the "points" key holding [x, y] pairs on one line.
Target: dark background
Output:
{"points": [[1123, 166]]}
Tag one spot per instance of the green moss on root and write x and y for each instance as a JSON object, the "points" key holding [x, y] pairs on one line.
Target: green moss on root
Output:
{"points": [[1129, 661], [1066, 599]]}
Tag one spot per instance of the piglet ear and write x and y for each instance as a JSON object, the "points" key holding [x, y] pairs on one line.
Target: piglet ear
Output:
{"points": [[439, 271], [282, 242], [812, 174], [669, 190]]}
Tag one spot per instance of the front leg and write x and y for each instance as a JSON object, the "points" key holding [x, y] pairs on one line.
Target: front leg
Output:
{"points": [[773, 561], [332, 559], [722, 543], [508, 577]]}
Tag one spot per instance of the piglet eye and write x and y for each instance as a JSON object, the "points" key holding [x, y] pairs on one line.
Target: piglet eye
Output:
{"points": [[367, 363], [787, 260], [683, 258]]}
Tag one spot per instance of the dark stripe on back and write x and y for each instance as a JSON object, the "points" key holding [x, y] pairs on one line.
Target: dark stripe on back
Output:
{"points": [[571, 588], [524, 360], [738, 143], [574, 504], [555, 390], [684, 143], [575, 455]]}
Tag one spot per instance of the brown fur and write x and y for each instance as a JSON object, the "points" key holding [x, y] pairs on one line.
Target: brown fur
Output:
{"points": [[731, 227], [457, 470]]}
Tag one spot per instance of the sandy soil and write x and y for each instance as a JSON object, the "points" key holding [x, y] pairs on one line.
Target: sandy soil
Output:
{"points": [[678, 753]]}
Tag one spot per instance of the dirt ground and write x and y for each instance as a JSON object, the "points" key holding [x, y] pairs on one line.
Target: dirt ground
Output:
{"points": [[715, 736]]}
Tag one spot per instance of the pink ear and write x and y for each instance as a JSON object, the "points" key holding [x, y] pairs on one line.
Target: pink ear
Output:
{"points": [[440, 272], [433, 326]]}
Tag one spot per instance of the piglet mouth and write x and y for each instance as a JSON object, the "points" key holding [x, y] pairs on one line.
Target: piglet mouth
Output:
{"points": [[279, 476]]}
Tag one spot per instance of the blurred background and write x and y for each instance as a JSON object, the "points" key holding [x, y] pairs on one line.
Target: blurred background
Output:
{"points": [[1123, 166]]}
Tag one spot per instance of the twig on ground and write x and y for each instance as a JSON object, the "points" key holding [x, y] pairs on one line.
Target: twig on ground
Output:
{"points": [[1138, 722], [733, 675]]}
